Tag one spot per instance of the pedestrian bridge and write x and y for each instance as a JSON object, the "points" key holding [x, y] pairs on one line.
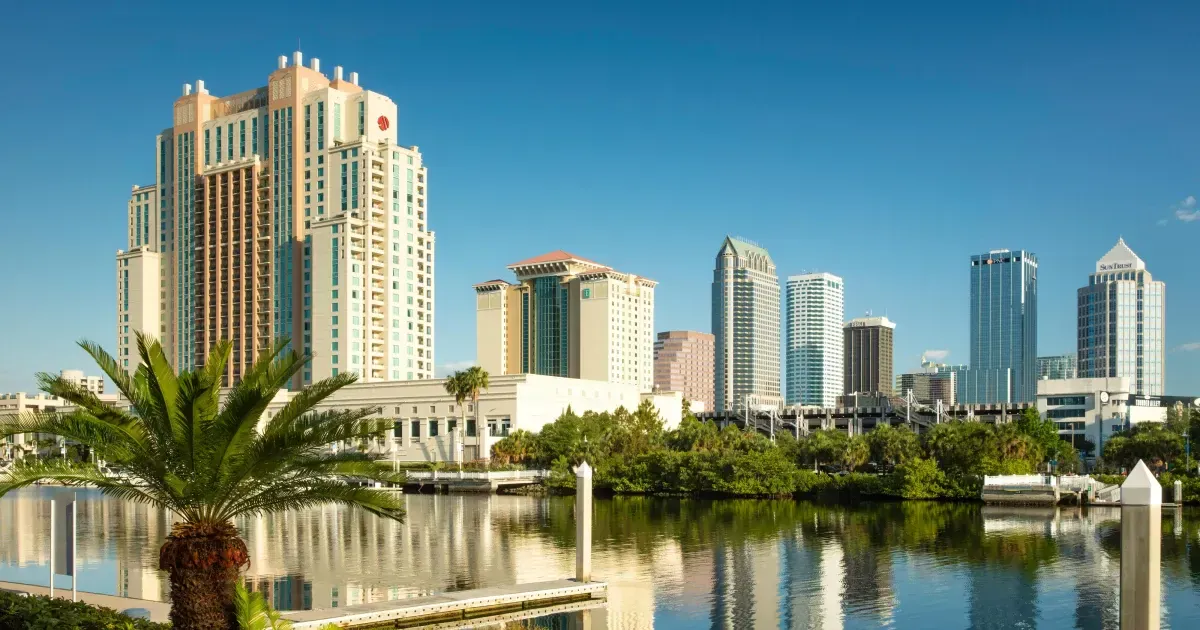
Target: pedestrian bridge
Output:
{"points": [[482, 481]]}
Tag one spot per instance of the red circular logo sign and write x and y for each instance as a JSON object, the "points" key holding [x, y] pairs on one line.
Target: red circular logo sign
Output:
{"points": [[384, 123]]}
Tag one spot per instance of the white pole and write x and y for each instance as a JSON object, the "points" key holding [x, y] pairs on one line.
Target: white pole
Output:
{"points": [[74, 550], [583, 523], [53, 508]]}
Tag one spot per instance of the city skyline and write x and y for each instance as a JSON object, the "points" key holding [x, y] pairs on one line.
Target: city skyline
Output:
{"points": [[905, 166]]}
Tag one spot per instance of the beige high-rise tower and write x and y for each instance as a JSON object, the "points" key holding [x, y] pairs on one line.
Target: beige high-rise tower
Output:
{"points": [[285, 211]]}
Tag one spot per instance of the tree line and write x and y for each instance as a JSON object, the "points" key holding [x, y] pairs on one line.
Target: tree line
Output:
{"points": [[633, 452]]}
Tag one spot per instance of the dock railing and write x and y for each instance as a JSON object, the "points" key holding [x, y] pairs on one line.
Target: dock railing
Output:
{"points": [[489, 475]]}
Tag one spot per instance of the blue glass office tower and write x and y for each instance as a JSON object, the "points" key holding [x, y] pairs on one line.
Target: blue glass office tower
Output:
{"points": [[1003, 329]]}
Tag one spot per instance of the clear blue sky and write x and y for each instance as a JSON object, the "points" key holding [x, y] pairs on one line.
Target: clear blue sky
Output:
{"points": [[885, 143]]}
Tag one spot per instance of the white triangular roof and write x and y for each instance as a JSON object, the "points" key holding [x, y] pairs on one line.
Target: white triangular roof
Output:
{"points": [[1118, 258], [1140, 487]]}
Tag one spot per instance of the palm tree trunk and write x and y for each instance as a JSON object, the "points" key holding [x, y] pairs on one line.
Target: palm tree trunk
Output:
{"points": [[485, 438], [460, 433], [203, 561]]}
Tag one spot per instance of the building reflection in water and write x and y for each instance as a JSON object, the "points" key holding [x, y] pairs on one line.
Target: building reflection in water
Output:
{"points": [[670, 563]]}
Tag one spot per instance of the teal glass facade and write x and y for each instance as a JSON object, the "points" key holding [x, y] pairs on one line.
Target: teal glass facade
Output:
{"points": [[281, 158], [184, 286], [551, 328]]}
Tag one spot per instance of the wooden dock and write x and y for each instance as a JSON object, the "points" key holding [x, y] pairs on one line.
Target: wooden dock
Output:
{"points": [[448, 609]]}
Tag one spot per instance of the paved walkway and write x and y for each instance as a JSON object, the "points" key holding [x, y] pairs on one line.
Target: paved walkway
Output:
{"points": [[158, 610], [453, 605]]}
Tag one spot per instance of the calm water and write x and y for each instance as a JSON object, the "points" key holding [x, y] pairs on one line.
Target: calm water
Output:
{"points": [[670, 563]]}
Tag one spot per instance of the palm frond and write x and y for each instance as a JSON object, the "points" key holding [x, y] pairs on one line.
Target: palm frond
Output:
{"points": [[313, 492], [25, 473], [162, 391], [252, 612], [108, 440], [306, 399], [264, 361], [309, 435], [113, 370]]}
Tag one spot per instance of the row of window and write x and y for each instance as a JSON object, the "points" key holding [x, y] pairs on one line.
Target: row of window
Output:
{"points": [[432, 428]]}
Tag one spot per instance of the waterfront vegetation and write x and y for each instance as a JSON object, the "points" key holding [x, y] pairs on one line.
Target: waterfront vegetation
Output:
{"points": [[182, 449], [631, 452], [43, 613], [1163, 446]]}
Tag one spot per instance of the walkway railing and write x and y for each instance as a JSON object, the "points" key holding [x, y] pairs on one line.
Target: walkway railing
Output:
{"points": [[490, 475]]}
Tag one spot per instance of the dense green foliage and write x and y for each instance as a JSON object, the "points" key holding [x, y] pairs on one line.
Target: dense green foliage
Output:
{"points": [[631, 452], [1191, 485], [43, 613], [1160, 446]]}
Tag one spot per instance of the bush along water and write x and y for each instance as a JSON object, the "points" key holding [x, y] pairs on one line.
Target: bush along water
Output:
{"points": [[38, 613], [631, 452]]}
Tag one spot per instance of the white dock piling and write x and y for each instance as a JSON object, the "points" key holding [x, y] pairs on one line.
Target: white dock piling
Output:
{"points": [[1141, 546], [583, 523]]}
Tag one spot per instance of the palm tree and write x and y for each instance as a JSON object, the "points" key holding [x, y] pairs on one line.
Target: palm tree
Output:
{"points": [[472, 381], [454, 387], [180, 447], [465, 384]]}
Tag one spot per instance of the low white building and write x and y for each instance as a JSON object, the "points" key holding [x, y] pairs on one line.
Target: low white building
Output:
{"points": [[427, 419], [93, 384], [1086, 408], [17, 403]]}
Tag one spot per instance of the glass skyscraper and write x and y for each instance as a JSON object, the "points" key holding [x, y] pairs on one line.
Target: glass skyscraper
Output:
{"points": [[1122, 322], [1003, 329]]}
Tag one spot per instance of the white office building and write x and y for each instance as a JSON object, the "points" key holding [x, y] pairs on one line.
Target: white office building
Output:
{"points": [[815, 309], [745, 322], [1122, 315], [429, 423], [1085, 408]]}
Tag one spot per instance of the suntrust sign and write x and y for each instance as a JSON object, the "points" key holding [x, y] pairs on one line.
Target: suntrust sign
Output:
{"points": [[1113, 266]]}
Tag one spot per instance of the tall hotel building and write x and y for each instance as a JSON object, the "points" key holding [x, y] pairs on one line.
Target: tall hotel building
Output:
{"points": [[567, 316], [745, 321], [1121, 314], [285, 211], [815, 311], [1003, 329]]}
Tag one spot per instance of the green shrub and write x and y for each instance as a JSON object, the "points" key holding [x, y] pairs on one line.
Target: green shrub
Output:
{"points": [[919, 479], [38, 613]]}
